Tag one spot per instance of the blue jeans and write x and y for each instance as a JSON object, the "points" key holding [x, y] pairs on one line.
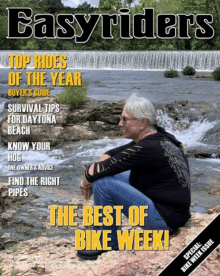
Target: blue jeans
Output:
{"points": [[116, 190]]}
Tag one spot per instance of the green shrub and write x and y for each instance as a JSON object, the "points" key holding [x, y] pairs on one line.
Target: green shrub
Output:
{"points": [[188, 71], [171, 74], [1, 271], [216, 74], [14, 272], [14, 248], [73, 95]]}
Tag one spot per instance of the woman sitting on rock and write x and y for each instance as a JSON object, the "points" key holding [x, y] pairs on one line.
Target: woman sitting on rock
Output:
{"points": [[152, 171]]}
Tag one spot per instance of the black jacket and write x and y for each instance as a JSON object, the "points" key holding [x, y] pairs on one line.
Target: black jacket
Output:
{"points": [[159, 169]]}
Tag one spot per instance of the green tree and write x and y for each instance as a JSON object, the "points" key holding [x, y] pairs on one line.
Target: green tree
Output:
{"points": [[96, 42]]}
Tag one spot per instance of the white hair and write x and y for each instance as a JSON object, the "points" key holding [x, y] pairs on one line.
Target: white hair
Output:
{"points": [[141, 108]]}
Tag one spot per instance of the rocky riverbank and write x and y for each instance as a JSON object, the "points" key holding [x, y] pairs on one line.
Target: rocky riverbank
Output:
{"points": [[90, 120], [57, 256]]}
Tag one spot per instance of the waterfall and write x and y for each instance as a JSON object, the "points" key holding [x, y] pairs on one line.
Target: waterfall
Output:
{"points": [[130, 60]]}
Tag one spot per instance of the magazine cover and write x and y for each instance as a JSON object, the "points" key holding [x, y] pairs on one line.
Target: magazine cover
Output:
{"points": [[110, 130]]}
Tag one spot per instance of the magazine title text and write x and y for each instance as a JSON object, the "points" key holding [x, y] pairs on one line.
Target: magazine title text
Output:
{"points": [[22, 24]]}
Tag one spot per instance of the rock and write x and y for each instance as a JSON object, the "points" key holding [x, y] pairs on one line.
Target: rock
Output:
{"points": [[213, 135], [202, 152], [8, 240], [9, 207], [214, 210], [49, 132], [204, 76], [78, 132], [87, 121], [9, 204], [57, 257]]}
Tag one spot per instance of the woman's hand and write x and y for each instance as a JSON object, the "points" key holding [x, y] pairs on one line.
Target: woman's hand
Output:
{"points": [[104, 157], [85, 186], [86, 189]]}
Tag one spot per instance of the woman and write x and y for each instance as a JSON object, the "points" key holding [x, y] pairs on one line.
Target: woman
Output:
{"points": [[150, 171]]}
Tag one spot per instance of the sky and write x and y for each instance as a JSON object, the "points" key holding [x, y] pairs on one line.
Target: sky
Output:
{"points": [[75, 3]]}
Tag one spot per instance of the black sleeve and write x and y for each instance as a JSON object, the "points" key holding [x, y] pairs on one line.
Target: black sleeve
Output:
{"points": [[115, 151], [125, 160]]}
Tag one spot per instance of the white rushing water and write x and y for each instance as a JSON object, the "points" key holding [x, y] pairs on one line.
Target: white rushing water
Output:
{"points": [[191, 134], [130, 60], [99, 147], [31, 157]]}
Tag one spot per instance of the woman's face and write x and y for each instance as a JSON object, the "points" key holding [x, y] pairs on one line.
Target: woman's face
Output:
{"points": [[131, 127]]}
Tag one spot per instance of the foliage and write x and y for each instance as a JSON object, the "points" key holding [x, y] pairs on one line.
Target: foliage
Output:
{"points": [[188, 71], [21, 100], [96, 42], [15, 272], [216, 74], [171, 74], [1, 271], [14, 248], [73, 95]]}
